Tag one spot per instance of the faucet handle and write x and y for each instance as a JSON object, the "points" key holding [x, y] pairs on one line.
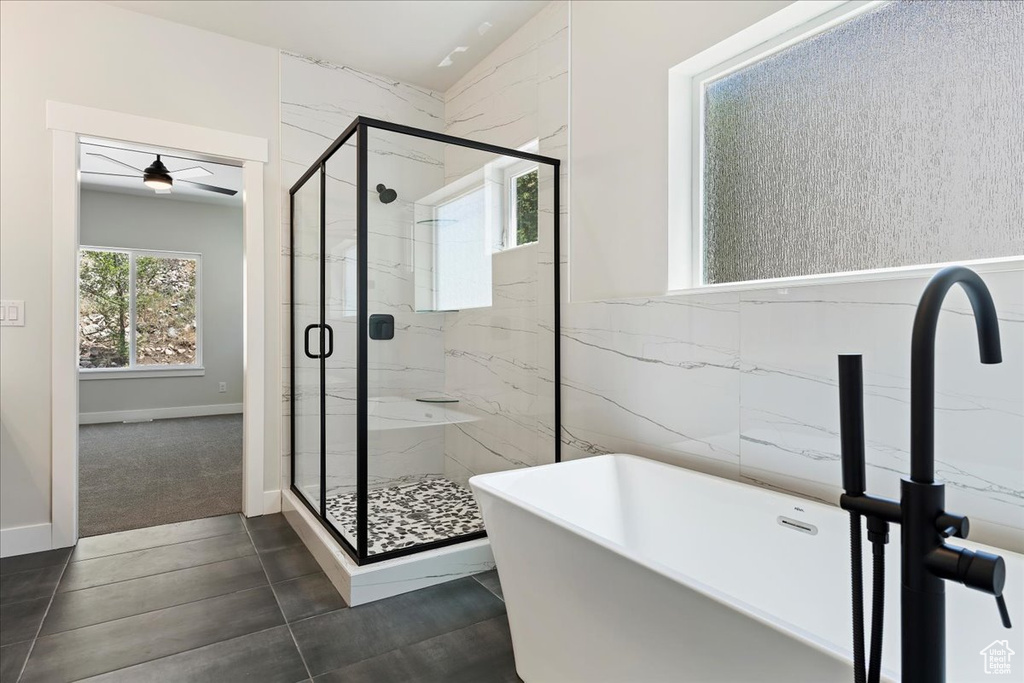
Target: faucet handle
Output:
{"points": [[1004, 613], [952, 525], [975, 569], [982, 571]]}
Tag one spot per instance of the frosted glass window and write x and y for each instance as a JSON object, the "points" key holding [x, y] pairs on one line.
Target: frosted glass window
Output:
{"points": [[462, 257], [893, 139]]}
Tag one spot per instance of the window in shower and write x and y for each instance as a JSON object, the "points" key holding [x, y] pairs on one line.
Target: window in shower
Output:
{"points": [[521, 205], [876, 136], [462, 256]]}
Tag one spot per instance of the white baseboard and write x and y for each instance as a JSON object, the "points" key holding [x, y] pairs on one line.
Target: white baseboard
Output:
{"points": [[20, 540], [158, 413], [271, 502]]}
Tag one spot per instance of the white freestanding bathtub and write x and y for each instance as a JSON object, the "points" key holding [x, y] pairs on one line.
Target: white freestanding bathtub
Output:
{"points": [[618, 568]]}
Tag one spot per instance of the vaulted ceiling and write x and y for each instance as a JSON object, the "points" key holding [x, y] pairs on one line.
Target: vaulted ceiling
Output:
{"points": [[403, 39]]}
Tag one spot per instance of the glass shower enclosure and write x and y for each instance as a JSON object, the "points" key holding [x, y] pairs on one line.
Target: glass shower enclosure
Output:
{"points": [[424, 324]]}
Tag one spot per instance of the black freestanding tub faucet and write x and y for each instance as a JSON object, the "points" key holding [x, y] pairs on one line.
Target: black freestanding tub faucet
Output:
{"points": [[927, 562]]}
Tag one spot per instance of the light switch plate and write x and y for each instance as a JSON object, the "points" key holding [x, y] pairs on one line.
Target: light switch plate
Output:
{"points": [[12, 313]]}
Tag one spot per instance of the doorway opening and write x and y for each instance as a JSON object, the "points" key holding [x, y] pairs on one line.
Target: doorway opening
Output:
{"points": [[160, 336]]}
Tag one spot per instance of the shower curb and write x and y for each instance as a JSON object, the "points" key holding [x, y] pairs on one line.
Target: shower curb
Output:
{"points": [[359, 585]]}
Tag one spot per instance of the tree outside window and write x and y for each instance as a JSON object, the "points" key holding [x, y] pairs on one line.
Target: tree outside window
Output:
{"points": [[526, 207], [137, 308]]}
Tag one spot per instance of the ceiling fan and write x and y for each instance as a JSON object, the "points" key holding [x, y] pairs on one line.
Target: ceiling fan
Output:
{"points": [[159, 178]]}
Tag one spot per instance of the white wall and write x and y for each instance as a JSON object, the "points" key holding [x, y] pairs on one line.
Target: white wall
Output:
{"points": [[742, 384], [91, 54], [109, 219], [621, 53]]}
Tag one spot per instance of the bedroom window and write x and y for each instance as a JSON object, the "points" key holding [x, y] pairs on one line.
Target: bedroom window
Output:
{"points": [[875, 136], [138, 310]]}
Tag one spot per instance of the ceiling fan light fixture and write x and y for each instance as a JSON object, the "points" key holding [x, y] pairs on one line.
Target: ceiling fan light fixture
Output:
{"points": [[156, 176]]}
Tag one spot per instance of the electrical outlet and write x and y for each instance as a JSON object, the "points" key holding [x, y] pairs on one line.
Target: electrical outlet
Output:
{"points": [[222, 387]]}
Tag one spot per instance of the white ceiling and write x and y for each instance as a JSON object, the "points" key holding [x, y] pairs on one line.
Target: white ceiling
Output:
{"points": [[403, 39], [100, 170]]}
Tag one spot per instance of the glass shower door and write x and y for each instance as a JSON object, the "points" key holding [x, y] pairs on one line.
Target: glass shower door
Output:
{"points": [[405, 349], [423, 332], [341, 291], [307, 401]]}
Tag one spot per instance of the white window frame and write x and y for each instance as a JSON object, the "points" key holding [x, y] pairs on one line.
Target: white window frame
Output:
{"points": [[511, 226], [494, 177], [686, 82], [133, 370]]}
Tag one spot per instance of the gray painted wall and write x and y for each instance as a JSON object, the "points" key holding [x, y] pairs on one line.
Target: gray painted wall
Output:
{"points": [[215, 231]]}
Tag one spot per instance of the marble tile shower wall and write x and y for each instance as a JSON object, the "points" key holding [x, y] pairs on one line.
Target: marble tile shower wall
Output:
{"points": [[318, 100], [738, 384], [744, 385], [500, 360]]}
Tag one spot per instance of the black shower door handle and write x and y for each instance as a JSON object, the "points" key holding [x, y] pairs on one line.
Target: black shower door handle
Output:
{"points": [[305, 336], [330, 341]]}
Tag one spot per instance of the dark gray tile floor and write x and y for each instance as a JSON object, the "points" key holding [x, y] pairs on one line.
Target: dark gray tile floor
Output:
{"points": [[228, 599]]}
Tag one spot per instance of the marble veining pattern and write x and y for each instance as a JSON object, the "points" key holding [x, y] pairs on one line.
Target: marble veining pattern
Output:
{"points": [[318, 100], [744, 385], [500, 360], [739, 384]]}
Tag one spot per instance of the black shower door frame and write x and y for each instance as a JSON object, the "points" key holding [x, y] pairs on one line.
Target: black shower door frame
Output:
{"points": [[359, 128]]}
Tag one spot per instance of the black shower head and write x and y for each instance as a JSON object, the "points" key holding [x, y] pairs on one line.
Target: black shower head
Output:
{"points": [[386, 196]]}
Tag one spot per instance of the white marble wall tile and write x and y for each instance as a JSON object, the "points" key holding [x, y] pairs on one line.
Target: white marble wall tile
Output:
{"points": [[497, 100], [662, 372], [500, 359], [738, 385], [318, 101], [491, 368], [789, 399], [514, 277]]}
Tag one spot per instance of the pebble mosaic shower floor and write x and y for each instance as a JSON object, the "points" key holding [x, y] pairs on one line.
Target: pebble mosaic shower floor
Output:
{"points": [[409, 514]]}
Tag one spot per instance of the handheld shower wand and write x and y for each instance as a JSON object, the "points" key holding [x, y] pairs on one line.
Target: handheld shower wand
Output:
{"points": [[851, 434]]}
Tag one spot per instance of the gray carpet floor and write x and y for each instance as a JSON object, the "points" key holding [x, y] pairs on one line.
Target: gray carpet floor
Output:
{"points": [[142, 474]]}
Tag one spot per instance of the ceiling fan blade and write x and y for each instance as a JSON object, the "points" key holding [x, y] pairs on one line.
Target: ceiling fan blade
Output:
{"points": [[192, 172], [212, 188], [113, 175], [115, 161]]}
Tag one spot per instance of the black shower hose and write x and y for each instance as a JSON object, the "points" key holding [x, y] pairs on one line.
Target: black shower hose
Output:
{"points": [[857, 579], [877, 609], [879, 537]]}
